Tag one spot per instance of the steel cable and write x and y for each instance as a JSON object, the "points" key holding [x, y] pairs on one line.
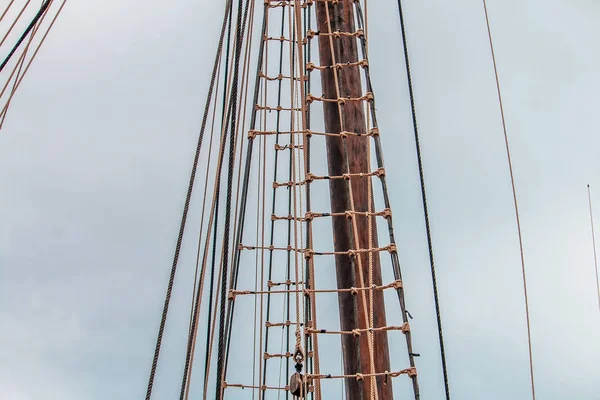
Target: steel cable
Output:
{"points": [[424, 200]]}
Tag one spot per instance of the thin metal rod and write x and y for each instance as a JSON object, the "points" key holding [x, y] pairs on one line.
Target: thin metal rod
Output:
{"points": [[594, 244], [514, 191]]}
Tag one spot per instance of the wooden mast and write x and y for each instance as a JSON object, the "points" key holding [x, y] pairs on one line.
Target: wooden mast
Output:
{"points": [[330, 18]]}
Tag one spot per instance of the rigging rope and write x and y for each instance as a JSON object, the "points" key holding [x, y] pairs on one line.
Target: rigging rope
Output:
{"points": [[6, 10], [273, 202], [14, 22], [184, 216], [35, 53], [424, 199], [594, 244], [222, 349], [24, 35], [516, 204]]}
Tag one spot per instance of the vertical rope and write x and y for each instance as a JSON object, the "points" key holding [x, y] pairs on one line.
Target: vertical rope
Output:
{"points": [[594, 244], [184, 220], [425, 207], [386, 199], [516, 204]]}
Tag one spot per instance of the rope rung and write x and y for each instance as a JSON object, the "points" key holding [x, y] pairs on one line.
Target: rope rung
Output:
{"points": [[279, 147], [362, 63], [279, 77], [341, 100], [309, 252], [404, 328], [359, 33], [354, 290], [269, 324], [411, 372], [258, 107], [373, 132]]}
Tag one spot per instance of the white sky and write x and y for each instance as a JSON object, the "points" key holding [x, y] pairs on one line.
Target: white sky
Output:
{"points": [[95, 156]]}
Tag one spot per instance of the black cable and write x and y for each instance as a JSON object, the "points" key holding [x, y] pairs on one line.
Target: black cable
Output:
{"points": [[424, 198], [184, 218], [239, 37], [215, 215], [245, 184], [24, 35]]}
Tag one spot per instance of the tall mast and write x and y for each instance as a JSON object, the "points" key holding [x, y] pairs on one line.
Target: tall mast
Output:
{"points": [[350, 155]]}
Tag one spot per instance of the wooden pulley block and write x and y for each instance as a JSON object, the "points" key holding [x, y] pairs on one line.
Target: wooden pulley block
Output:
{"points": [[296, 386]]}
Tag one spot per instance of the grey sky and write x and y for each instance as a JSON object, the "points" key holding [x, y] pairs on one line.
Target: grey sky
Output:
{"points": [[95, 156]]}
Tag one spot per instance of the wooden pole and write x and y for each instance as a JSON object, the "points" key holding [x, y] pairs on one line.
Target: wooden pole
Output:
{"points": [[355, 350]]}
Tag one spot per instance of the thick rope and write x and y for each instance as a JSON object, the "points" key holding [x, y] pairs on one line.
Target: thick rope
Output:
{"points": [[516, 204]]}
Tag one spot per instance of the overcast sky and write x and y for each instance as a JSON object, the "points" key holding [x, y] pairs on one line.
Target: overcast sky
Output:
{"points": [[95, 157]]}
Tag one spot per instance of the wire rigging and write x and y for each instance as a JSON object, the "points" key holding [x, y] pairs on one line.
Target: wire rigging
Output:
{"points": [[424, 200], [184, 216], [516, 204], [594, 245], [31, 25], [22, 72]]}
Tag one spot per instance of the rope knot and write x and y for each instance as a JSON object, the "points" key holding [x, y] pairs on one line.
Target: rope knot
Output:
{"points": [[405, 328], [360, 377], [387, 213]]}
